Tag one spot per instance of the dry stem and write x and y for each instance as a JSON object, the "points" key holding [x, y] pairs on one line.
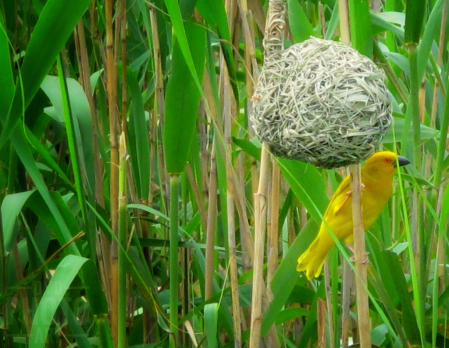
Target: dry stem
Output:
{"points": [[260, 212], [360, 256]]}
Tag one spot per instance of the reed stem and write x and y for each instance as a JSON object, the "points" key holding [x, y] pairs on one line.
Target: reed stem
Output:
{"points": [[360, 256], [260, 215], [174, 188]]}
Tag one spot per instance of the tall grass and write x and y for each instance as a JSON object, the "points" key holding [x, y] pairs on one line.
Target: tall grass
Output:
{"points": [[131, 205]]}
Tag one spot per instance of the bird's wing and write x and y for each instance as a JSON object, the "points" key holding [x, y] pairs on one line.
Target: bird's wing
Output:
{"points": [[340, 197]]}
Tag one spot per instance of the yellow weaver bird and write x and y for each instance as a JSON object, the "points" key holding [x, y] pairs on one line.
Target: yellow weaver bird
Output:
{"points": [[377, 184]]}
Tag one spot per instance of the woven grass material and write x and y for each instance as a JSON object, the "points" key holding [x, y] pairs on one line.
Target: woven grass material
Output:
{"points": [[321, 102]]}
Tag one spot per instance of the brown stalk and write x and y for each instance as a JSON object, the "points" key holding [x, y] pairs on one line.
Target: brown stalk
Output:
{"points": [[321, 319], [114, 165], [273, 230], [272, 339], [229, 111], [122, 28], [322, 19], [330, 316], [103, 254], [251, 74], [346, 302], [204, 150], [327, 283], [360, 256], [210, 230], [273, 43], [260, 222], [343, 12]]}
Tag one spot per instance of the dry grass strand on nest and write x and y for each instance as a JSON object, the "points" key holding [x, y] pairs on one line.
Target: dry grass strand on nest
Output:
{"points": [[321, 102]]}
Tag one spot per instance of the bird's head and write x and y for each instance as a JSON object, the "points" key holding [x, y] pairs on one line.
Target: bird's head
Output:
{"points": [[384, 162]]}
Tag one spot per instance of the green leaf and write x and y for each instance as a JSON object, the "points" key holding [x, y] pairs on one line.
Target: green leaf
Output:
{"points": [[182, 99], [80, 110], [20, 145], [139, 146], [6, 77], [286, 275], [181, 36], [409, 319], [38, 205], [397, 131], [56, 21], [75, 327], [431, 28], [361, 32], [211, 323], [308, 185], [60, 282], [378, 20], [299, 23], [414, 16], [214, 13], [290, 314], [248, 147], [11, 208]]}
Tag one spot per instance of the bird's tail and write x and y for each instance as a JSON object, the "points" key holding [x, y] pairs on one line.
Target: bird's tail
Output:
{"points": [[312, 260]]}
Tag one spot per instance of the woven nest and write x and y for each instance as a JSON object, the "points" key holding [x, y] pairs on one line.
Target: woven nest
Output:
{"points": [[321, 102]]}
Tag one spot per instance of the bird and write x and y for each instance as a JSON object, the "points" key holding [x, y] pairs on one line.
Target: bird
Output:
{"points": [[377, 185]]}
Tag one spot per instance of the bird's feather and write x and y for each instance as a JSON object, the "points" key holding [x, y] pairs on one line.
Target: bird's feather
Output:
{"points": [[377, 180]]}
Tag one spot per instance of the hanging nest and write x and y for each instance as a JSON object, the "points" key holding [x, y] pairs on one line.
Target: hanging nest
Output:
{"points": [[321, 102]]}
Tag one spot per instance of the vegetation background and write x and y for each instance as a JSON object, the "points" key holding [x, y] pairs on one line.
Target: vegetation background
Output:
{"points": [[125, 133]]}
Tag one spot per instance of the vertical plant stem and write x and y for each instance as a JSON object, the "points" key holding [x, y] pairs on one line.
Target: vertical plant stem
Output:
{"points": [[114, 166], [330, 314], [418, 234], [358, 230], [102, 246], [438, 170], [360, 256], [321, 322], [414, 102], [231, 194], [343, 12], [260, 215], [123, 226], [124, 86], [273, 236], [346, 302], [233, 268], [174, 189], [441, 245], [210, 230]]}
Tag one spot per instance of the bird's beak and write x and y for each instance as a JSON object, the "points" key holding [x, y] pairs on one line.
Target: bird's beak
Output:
{"points": [[403, 161]]}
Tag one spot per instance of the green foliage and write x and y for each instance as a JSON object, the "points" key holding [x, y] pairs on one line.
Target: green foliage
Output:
{"points": [[185, 73], [183, 98]]}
